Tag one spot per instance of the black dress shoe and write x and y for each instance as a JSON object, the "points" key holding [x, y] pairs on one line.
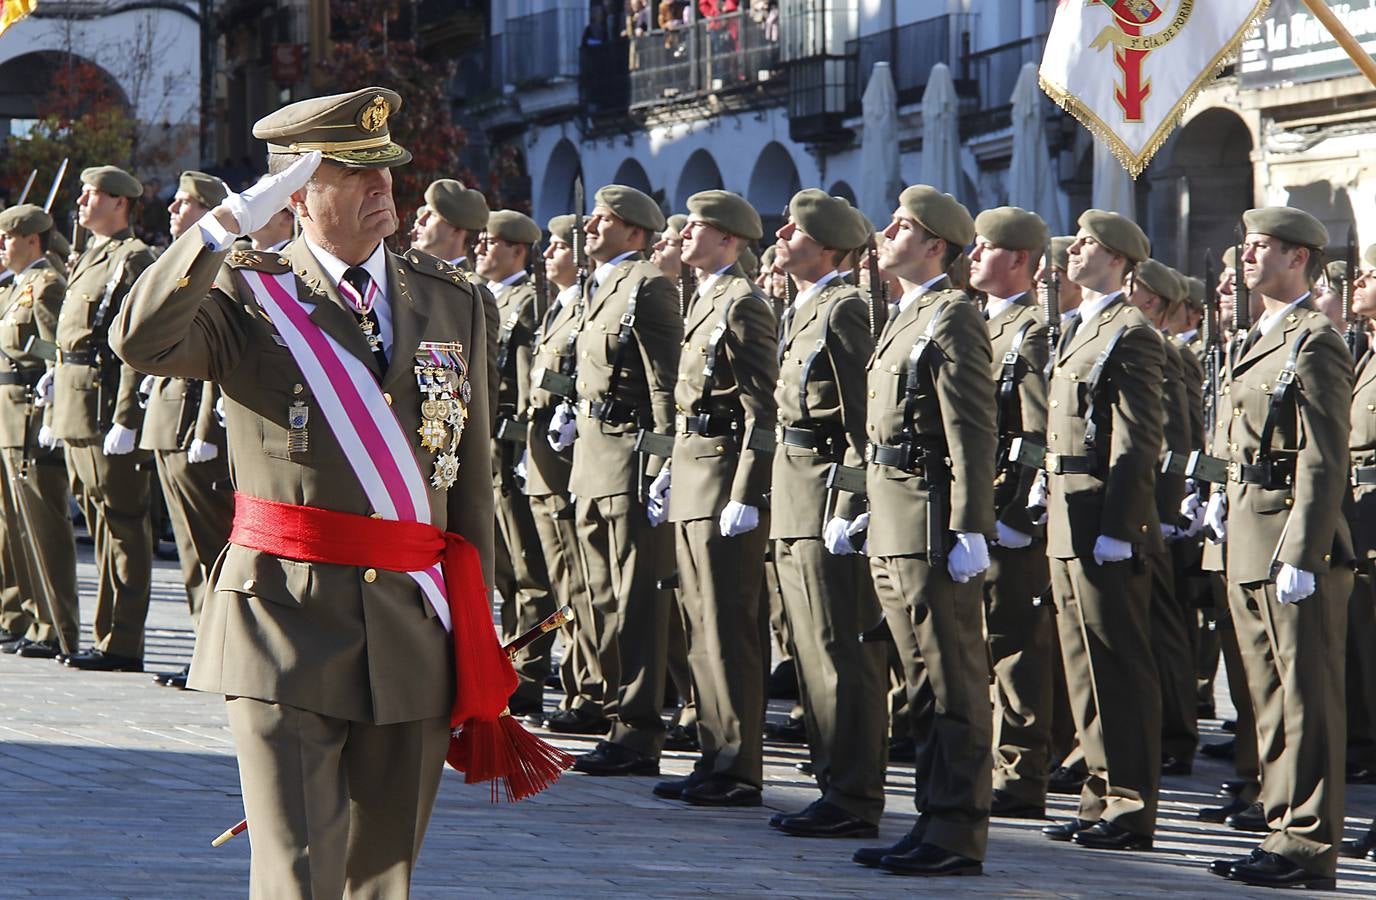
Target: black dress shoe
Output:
{"points": [[14, 644], [1239, 786], [826, 820], [1220, 750], [100, 661], [1275, 871], [673, 788], [527, 710], [902, 750], [1006, 806], [805, 768], [1104, 835], [1066, 781], [1220, 814], [1223, 868], [872, 856], [553, 682], [1229, 725], [175, 679], [1253, 818], [778, 817], [1064, 831], [39, 650], [790, 731], [783, 681], [578, 720], [1171, 765], [1205, 710], [716, 790], [931, 860], [609, 759], [1360, 848], [677, 737]]}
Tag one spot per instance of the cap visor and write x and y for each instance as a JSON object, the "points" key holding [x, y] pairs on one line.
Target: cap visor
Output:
{"points": [[377, 158]]}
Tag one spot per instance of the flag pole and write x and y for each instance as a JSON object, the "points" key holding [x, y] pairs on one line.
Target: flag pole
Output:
{"points": [[1350, 44]]}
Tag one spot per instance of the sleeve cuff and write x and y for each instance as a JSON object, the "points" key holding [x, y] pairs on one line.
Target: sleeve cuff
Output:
{"points": [[214, 234]]}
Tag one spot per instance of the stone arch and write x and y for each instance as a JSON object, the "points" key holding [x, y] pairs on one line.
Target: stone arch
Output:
{"points": [[700, 173], [632, 174], [39, 70], [556, 191], [842, 189], [773, 182]]}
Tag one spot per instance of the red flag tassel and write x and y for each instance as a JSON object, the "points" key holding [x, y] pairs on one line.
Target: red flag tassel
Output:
{"points": [[518, 763]]}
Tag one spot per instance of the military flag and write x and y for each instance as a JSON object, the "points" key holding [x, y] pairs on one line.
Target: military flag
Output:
{"points": [[12, 11], [1128, 69]]}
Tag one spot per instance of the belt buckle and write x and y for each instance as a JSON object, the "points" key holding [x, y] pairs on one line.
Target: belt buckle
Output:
{"points": [[1053, 462], [869, 452], [779, 433], [57, 356], [627, 320], [681, 423], [1235, 472]]}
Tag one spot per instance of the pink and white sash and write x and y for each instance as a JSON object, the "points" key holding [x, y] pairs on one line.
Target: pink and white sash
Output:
{"points": [[375, 444]]}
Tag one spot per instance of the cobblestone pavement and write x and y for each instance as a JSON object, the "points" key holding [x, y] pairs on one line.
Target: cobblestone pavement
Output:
{"points": [[114, 787]]}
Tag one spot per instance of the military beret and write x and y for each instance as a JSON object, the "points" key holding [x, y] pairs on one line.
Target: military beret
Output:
{"points": [[631, 206], [1287, 223], [460, 206], [510, 225], [675, 224], [112, 180], [941, 214], [1060, 250], [24, 220], [1336, 271], [561, 228], [1369, 256], [767, 258], [827, 220], [1013, 228], [1160, 280], [1118, 233], [206, 190], [1230, 257], [728, 212], [58, 244], [348, 129], [1194, 289], [750, 263]]}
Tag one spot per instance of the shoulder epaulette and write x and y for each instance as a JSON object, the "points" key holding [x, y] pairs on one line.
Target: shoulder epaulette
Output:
{"points": [[425, 264], [258, 261]]}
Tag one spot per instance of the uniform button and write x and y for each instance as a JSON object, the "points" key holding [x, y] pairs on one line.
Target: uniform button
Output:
{"points": [[1326, 557], [1371, 406], [678, 408], [1055, 403], [1232, 447], [248, 585], [1144, 529], [1289, 501], [1237, 410], [779, 383], [1053, 436], [582, 386], [872, 395], [1226, 390], [893, 369], [388, 397], [1074, 376], [370, 575], [297, 388], [721, 449], [786, 355]]}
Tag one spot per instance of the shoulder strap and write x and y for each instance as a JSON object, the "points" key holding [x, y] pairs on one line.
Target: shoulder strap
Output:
{"points": [[1092, 383], [709, 366], [817, 350], [623, 340], [504, 336], [912, 383], [1008, 377], [1279, 395]]}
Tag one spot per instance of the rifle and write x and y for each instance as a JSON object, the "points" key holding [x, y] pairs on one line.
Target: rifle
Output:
{"points": [[1212, 337], [57, 182], [687, 286], [541, 287], [790, 288], [1051, 307], [1242, 299], [79, 237], [580, 260], [879, 291], [28, 185], [1352, 330]]}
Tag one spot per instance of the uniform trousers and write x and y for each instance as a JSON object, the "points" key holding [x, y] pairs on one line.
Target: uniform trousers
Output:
{"points": [[1173, 650], [1293, 654], [1361, 670], [1103, 616], [829, 601], [115, 497], [719, 591], [40, 538], [201, 515], [558, 533], [1245, 761], [623, 558], [940, 623], [14, 617], [530, 601], [335, 808]]}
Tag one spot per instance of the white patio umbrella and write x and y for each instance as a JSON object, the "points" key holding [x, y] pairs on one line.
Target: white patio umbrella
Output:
{"points": [[880, 180], [1031, 181], [941, 134]]}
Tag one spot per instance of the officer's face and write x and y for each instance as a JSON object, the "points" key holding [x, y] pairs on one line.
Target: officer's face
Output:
{"points": [[995, 269], [1364, 293], [102, 213], [908, 248], [1270, 268], [609, 237], [349, 206], [495, 258], [559, 262], [667, 252], [17, 252], [1148, 301], [1090, 262], [183, 212], [706, 246], [798, 254]]}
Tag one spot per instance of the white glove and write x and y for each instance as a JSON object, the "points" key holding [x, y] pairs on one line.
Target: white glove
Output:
{"points": [[1036, 498], [1292, 584], [43, 390], [1110, 549], [119, 440], [563, 428], [968, 558], [1011, 537], [47, 440], [146, 385], [220, 410], [657, 498], [737, 519], [256, 206], [836, 536], [1216, 517], [201, 451], [520, 470], [1191, 508]]}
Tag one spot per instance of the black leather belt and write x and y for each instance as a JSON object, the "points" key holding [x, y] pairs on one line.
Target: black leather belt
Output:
{"points": [[706, 425], [613, 412], [1065, 464], [895, 456], [75, 357], [1363, 475], [18, 378], [1273, 475], [807, 438]]}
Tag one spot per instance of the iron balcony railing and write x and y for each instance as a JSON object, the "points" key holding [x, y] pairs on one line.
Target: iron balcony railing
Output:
{"points": [[542, 47], [992, 74], [712, 56], [910, 50]]}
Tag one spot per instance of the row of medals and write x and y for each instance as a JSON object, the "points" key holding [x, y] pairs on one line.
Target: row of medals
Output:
{"points": [[442, 414]]}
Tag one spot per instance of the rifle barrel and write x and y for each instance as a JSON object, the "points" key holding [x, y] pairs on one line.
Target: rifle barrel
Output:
{"points": [[28, 186], [57, 182]]}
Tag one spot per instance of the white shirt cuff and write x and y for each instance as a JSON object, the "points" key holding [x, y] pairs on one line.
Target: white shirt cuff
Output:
{"points": [[214, 234]]}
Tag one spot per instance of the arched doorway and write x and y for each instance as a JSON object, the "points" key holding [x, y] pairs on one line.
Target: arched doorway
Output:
{"points": [[843, 189], [773, 182], [700, 173], [632, 174], [556, 191]]}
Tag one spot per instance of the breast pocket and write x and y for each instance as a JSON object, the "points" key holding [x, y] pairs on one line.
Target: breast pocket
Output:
{"points": [[281, 395]]}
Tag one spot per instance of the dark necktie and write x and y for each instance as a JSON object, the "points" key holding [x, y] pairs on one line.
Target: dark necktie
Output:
{"points": [[784, 324], [359, 279], [1069, 334]]}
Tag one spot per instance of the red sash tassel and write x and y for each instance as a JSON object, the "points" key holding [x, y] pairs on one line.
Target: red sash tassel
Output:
{"points": [[489, 744]]}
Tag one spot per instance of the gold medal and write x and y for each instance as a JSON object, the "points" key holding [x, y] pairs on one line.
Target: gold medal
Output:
{"points": [[446, 471], [431, 409], [433, 434]]}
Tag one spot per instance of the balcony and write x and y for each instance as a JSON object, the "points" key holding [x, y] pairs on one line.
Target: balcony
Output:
{"points": [[727, 62], [991, 75], [542, 47], [911, 51]]}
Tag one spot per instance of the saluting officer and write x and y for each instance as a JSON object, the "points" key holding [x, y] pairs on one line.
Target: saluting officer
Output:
{"points": [[1103, 442], [187, 440], [932, 441], [628, 353], [96, 413], [1289, 550], [503, 257], [39, 532], [824, 342], [724, 402]]}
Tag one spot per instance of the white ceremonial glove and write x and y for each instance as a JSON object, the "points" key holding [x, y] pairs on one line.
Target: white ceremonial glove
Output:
{"points": [[737, 519], [1216, 517], [119, 440], [256, 206], [47, 440], [220, 410], [657, 498], [563, 428], [145, 390], [1011, 537], [857, 528], [968, 558], [520, 470], [43, 390], [1110, 549], [201, 451], [1036, 498], [1191, 508], [836, 536], [1292, 584]]}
